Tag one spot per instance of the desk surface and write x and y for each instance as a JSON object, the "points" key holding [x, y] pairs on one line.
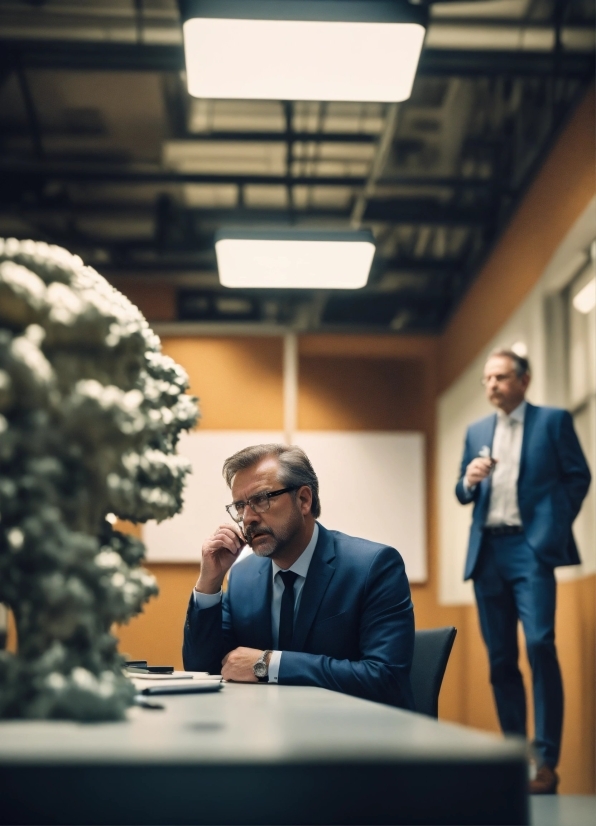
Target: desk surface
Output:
{"points": [[204, 745], [254, 723]]}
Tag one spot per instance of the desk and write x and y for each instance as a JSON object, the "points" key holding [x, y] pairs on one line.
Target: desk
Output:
{"points": [[259, 754]]}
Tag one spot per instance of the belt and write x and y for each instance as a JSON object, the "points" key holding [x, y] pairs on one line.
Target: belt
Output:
{"points": [[503, 530]]}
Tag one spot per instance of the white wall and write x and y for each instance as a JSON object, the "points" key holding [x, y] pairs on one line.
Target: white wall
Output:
{"points": [[537, 323], [373, 485]]}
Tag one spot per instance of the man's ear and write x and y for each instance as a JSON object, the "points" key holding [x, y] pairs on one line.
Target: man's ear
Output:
{"points": [[304, 497]]}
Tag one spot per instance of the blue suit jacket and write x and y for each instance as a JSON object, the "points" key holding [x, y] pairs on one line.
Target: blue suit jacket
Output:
{"points": [[552, 483], [354, 630]]}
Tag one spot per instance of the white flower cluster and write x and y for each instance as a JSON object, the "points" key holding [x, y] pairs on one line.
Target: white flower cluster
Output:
{"points": [[90, 416]]}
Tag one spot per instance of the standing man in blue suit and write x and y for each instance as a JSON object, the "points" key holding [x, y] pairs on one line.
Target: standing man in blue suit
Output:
{"points": [[309, 607], [525, 472]]}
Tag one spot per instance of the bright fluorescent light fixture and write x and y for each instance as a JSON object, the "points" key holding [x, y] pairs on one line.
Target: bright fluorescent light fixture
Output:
{"points": [[331, 50], [294, 259], [585, 300]]}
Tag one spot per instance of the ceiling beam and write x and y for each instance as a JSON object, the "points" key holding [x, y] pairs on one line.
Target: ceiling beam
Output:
{"points": [[412, 211], [114, 56], [281, 137], [15, 171], [404, 211], [407, 263]]}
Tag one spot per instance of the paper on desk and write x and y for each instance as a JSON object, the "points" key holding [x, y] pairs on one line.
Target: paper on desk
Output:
{"points": [[179, 686], [175, 675]]}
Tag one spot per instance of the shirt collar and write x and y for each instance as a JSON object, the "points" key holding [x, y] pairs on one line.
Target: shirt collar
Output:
{"points": [[302, 564], [517, 415]]}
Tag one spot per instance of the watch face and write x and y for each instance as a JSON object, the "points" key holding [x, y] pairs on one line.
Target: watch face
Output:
{"points": [[260, 669]]}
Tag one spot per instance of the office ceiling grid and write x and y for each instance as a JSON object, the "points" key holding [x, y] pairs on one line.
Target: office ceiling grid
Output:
{"points": [[103, 151]]}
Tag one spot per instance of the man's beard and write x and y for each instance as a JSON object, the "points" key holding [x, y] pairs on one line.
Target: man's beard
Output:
{"points": [[279, 538]]}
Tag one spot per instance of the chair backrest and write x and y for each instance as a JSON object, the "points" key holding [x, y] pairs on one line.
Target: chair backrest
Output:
{"points": [[432, 648]]}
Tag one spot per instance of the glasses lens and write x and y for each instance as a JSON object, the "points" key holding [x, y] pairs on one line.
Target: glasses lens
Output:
{"points": [[259, 503]]}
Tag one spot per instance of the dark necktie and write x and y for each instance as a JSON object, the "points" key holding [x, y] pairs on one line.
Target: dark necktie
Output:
{"points": [[286, 615]]}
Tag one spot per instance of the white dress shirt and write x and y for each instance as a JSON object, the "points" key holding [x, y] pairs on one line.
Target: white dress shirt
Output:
{"points": [[300, 567], [507, 444]]}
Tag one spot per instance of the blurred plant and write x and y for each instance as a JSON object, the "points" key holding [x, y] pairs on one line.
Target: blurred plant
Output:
{"points": [[90, 415]]}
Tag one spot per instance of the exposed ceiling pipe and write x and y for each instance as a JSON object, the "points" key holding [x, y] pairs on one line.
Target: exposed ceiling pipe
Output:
{"points": [[378, 163]]}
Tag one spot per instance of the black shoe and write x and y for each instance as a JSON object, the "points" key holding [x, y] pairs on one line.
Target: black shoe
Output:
{"points": [[545, 782]]}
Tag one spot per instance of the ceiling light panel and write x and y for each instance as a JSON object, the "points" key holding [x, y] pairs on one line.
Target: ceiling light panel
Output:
{"points": [[297, 260], [361, 50]]}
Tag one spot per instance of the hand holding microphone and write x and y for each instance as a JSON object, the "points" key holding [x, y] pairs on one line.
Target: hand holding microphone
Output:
{"points": [[480, 468]]}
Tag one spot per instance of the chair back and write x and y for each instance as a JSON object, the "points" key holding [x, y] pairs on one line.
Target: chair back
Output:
{"points": [[432, 648]]}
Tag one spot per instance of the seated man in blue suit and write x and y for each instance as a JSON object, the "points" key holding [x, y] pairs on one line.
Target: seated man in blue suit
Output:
{"points": [[309, 607], [525, 472]]}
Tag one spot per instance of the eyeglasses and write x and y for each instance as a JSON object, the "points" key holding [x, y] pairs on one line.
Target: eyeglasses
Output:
{"points": [[259, 503], [499, 378]]}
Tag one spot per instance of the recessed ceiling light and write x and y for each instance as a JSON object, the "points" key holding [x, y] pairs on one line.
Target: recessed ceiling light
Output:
{"points": [[585, 300], [294, 259], [336, 50]]}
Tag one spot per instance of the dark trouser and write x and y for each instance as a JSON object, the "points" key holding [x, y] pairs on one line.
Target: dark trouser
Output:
{"points": [[511, 583]]}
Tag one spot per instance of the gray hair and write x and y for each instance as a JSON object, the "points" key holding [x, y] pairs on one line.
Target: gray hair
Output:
{"points": [[521, 364], [295, 468]]}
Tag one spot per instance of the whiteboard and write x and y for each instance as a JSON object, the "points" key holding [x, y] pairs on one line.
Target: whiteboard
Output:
{"points": [[372, 485], [205, 496]]}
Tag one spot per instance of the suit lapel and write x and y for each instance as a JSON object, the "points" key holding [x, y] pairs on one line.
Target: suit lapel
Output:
{"points": [[261, 594], [528, 426], [320, 573]]}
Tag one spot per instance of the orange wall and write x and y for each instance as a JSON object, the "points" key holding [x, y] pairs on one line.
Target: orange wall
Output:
{"points": [[238, 380], [557, 197]]}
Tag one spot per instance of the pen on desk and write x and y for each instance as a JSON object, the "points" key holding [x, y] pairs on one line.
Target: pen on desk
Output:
{"points": [[144, 704]]}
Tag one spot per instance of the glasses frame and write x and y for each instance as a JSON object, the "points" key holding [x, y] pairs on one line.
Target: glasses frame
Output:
{"points": [[500, 378], [268, 497]]}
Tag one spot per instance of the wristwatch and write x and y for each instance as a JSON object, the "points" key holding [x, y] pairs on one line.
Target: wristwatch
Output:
{"points": [[261, 667]]}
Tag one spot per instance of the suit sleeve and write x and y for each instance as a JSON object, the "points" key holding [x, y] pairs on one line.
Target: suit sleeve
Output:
{"points": [[575, 473], [386, 643], [466, 496], [208, 635]]}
